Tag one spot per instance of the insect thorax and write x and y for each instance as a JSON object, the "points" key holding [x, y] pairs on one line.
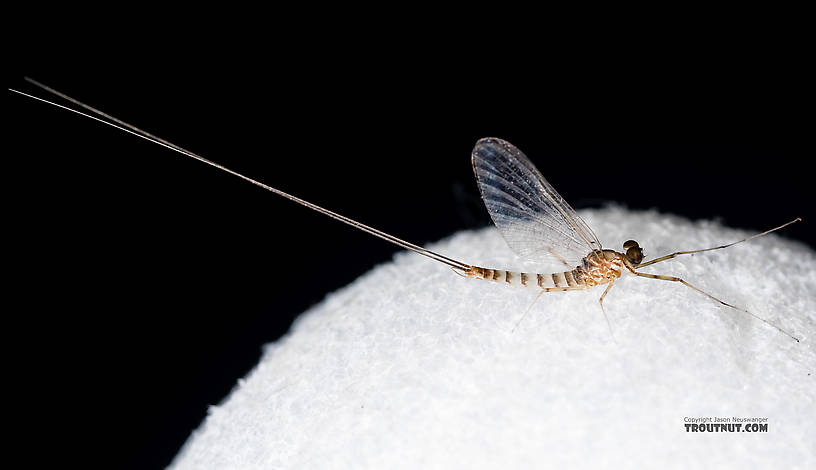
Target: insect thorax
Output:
{"points": [[600, 267]]}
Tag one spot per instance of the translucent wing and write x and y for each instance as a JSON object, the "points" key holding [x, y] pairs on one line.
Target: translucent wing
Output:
{"points": [[536, 222]]}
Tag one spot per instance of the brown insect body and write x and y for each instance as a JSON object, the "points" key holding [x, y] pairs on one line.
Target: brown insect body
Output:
{"points": [[598, 267], [521, 202]]}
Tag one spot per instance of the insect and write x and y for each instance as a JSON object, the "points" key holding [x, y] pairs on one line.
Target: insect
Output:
{"points": [[535, 221]]}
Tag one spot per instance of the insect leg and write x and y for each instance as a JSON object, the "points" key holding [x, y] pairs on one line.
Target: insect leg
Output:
{"points": [[664, 258], [677, 279], [526, 311], [546, 289], [606, 291], [561, 259]]}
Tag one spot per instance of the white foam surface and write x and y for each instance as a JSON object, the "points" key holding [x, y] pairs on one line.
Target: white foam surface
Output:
{"points": [[412, 366]]}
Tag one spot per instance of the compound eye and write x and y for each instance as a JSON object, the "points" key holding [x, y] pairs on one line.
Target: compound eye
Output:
{"points": [[630, 244], [634, 254]]}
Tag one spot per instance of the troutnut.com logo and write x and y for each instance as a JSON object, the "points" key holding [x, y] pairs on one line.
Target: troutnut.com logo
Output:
{"points": [[725, 424]]}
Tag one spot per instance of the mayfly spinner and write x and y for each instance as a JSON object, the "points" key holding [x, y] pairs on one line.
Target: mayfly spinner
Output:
{"points": [[534, 219]]}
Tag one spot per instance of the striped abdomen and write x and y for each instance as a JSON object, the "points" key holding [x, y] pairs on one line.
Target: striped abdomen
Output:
{"points": [[568, 279]]}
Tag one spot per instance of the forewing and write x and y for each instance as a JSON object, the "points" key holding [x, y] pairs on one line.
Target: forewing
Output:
{"points": [[537, 223]]}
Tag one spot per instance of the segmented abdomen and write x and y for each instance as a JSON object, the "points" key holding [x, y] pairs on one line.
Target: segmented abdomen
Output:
{"points": [[531, 280]]}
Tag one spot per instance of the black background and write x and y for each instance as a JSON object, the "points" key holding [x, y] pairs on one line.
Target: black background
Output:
{"points": [[151, 281]]}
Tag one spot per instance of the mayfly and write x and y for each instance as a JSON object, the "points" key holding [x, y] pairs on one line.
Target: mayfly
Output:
{"points": [[535, 221]]}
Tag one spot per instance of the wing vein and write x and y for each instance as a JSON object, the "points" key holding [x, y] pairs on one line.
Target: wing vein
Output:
{"points": [[536, 222]]}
